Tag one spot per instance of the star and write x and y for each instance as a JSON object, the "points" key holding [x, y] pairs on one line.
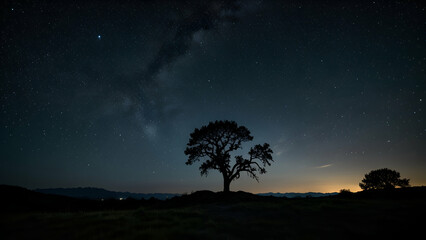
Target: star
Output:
{"points": [[99, 37]]}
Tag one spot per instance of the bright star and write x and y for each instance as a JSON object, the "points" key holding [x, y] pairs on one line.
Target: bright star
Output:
{"points": [[99, 37]]}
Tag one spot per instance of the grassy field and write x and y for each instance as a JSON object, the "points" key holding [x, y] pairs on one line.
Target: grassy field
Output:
{"points": [[310, 218]]}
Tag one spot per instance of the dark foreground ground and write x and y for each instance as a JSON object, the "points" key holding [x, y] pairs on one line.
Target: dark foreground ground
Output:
{"points": [[205, 215]]}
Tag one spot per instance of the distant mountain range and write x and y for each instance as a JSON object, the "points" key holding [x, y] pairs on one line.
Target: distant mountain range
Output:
{"points": [[100, 193], [298, 195]]}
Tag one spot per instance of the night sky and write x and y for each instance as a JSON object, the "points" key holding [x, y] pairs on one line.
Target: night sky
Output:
{"points": [[106, 93]]}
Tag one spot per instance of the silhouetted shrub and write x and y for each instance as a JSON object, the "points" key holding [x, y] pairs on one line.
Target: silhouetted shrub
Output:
{"points": [[345, 192]]}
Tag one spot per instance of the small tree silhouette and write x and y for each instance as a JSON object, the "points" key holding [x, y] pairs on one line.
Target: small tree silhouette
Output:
{"points": [[214, 143], [383, 179]]}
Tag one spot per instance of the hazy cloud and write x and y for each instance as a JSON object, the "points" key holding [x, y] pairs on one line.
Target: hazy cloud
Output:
{"points": [[325, 166]]}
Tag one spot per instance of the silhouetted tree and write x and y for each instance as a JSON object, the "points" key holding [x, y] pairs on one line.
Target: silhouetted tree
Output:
{"points": [[383, 179], [214, 143]]}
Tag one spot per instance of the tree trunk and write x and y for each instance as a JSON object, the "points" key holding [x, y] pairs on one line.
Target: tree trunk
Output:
{"points": [[226, 184]]}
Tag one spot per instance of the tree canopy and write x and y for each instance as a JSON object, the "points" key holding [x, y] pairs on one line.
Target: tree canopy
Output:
{"points": [[383, 179], [214, 143]]}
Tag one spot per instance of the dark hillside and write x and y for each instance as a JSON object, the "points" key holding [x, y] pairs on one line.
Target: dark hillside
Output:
{"points": [[18, 199], [397, 214], [397, 193]]}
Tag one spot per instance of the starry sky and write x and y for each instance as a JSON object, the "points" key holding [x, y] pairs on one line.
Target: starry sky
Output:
{"points": [[106, 93]]}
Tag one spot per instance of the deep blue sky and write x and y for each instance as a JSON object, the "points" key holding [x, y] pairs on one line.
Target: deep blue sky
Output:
{"points": [[106, 93]]}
